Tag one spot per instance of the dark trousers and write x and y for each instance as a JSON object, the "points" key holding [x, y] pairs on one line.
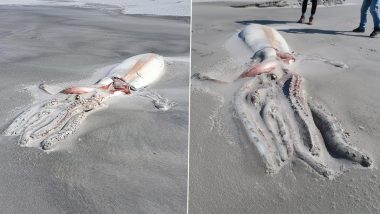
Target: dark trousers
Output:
{"points": [[313, 6]]}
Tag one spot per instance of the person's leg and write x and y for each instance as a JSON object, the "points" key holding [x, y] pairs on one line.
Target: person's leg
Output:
{"points": [[313, 9], [363, 13], [304, 7], [374, 9], [363, 16]]}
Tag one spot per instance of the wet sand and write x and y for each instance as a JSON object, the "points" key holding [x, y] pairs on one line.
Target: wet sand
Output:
{"points": [[129, 157], [226, 173]]}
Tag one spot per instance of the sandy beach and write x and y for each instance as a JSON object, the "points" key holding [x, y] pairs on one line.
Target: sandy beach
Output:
{"points": [[139, 7], [226, 172], [128, 157]]}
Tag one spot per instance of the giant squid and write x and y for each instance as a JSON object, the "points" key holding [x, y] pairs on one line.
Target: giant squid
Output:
{"points": [[49, 122], [277, 115]]}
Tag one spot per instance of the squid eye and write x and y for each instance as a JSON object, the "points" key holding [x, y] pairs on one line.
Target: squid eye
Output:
{"points": [[273, 76]]}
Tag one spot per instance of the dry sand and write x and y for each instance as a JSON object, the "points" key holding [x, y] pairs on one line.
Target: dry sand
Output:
{"points": [[226, 174], [127, 158]]}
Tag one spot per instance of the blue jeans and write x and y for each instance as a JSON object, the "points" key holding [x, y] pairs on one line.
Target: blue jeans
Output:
{"points": [[373, 6]]}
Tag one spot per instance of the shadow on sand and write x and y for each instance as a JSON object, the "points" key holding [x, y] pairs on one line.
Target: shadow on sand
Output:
{"points": [[320, 31], [300, 30], [264, 22]]}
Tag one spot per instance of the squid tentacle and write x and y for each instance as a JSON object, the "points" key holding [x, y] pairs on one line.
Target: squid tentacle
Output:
{"points": [[312, 161], [272, 125], [46, 128], [334, 136], [28, 136], [29, 116], [303, 115], [243, 107], [69, 128]]}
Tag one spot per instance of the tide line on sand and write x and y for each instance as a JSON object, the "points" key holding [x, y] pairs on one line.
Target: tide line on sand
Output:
{"points": [[146, 7]]}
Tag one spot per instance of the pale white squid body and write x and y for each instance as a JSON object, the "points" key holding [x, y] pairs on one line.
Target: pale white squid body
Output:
{"points": [[138, 71], [263, 38]]}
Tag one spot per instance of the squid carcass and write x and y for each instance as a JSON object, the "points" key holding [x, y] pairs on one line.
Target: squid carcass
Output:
{"points": [[277, 115], [46, 124]]}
